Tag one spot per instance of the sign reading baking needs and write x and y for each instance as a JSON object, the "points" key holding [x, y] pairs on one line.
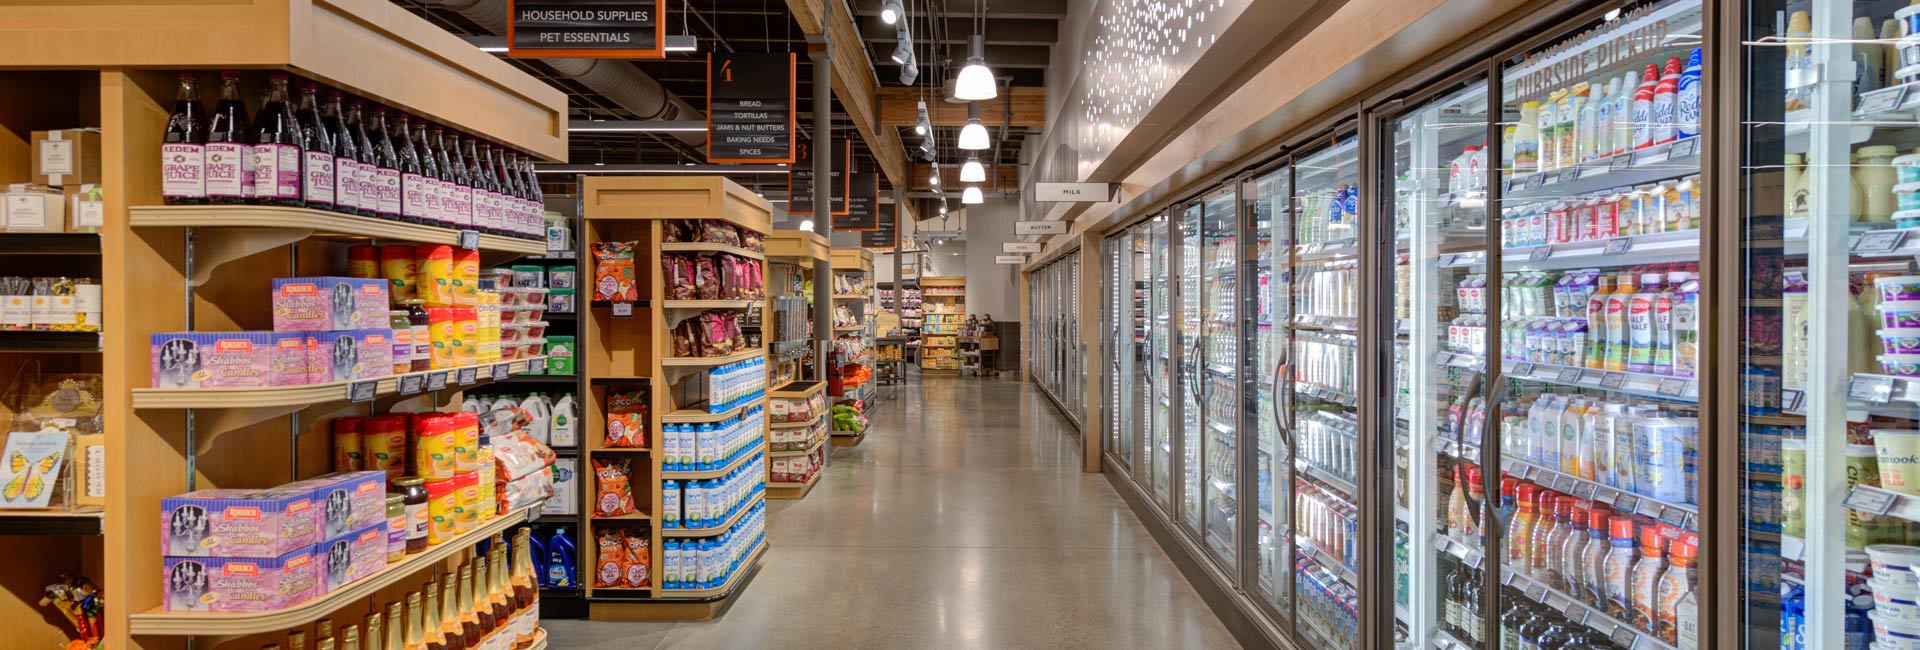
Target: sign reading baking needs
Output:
{"points": [[750, 103]]}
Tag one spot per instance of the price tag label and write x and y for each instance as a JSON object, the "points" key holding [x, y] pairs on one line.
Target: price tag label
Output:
{"points": [[1625, 502], [1791, 398], [1613, 380], [363, 391], [1649, 508], [1446, 260], [502, 371], [537, 366], [1879, 242], [623, 310], [1592, 377], [1871, 501], [1584, 490], [1536, 591], [1650, 156], [469, 239], [1558, 602], [1442, 358], [1646, 643], [1672, 387], [1476, 560], [1506, 576], [1624, 636], [437, 380], [1673, 516], [1684, 148], [1568, 376], [562, 255], [1540, 253], [1872, 389], [1568, 176], [466, 376], [1563, 484], [1618, 246], [1620, 163], [412, 384], [1536, 181], [1523, 370], [1882, 101]]}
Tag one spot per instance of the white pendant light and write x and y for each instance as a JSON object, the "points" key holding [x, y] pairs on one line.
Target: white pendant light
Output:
{"points": [[924, 125], [933, 177], [973, 136], [972, 196], [975, 82], [890, 11], [972, 171], [943, 206]]}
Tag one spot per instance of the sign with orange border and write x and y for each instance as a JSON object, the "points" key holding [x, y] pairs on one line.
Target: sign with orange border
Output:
{"points": [[751, 99], [587, 29], [800, 179]]}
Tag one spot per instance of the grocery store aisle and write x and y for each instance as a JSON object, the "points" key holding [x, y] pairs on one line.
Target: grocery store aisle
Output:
{"points": [[963, 521]]}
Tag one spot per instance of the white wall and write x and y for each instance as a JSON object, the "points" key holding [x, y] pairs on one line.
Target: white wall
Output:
{"points": [[992, 288]]}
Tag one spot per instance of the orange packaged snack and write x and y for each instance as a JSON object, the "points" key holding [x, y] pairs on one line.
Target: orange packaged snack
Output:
{"points": [[639, 562], [613, 492], [610, 560], [613, 272], [626, 419]]}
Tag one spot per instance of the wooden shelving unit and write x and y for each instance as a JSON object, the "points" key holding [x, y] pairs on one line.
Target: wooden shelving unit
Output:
{"points": [[166, 269], [631, 351], [944, 305]]}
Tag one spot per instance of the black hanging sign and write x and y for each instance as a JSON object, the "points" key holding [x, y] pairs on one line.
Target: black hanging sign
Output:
{"points": [[888, 234], [800, 178], [587, 29], [750, 107], [863, 204]]}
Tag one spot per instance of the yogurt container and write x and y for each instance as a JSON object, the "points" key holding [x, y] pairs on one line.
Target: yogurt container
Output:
{"points": [[1898, 452], [1900, 365], [1902, 342], [1895, 602], [1907, 196], [1892, 634], [1893, 565], [1898, 288], [1906, 168], [1900, 315]]}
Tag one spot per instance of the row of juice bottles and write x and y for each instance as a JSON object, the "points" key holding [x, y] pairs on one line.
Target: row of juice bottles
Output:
{"points": [[1608, 116], [1644, 448], [1328, 521], [1326, 363], [474, 609], [329, 157], [1327, 214], [1636, 569], [1641, 319], [1666, 206]]}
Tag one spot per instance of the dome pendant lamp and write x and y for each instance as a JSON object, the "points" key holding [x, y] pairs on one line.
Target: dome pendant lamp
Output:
{"points": [[973, 171], [975, 82], [972, 196], [973, 136]]}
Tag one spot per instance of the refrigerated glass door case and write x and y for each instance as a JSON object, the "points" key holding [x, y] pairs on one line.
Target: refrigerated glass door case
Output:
{"points": [[1219, 350], [1267, 197], [1594, 291], [1325, 370], [1192, 390], [1828, 397], [1436, 209], [1163, 380]]}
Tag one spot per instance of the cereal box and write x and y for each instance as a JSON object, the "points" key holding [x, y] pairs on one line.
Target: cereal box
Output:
{"points": [[237, 523], [347, 501], [218, 584], [328, 304], [228, 359], [352, 556]]}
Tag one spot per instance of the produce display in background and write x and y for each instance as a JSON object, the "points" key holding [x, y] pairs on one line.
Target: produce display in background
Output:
{"points": [[335, 156], [847, 416]]}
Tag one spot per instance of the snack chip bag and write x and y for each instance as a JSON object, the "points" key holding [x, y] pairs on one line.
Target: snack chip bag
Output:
{"points": [[613, 494], [613, 272], [639, 562], [610, 562]]}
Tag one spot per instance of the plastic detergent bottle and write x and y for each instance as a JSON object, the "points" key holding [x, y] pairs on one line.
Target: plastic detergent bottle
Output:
{"points": [[1646, 576], [565, 427], [1640, 323], [560, 566], [1616, 352], [1616, 567]]}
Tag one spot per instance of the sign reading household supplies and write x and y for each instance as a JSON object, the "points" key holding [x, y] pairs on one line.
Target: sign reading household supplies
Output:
{"points": [[594, 29]]}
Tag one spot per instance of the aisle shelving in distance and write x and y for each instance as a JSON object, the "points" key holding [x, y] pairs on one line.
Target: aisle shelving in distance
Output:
{"points": [[794, 490], [221, 626]]}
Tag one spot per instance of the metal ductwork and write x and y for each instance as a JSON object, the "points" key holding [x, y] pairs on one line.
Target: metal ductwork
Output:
{"points": [[618, 81]]}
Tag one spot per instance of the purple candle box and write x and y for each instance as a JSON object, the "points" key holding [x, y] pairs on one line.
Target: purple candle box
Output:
{"points": [[328, 304], [238, 523], [344, 502], [356, 354], [225, 584], [351, 557], [229, 359]]}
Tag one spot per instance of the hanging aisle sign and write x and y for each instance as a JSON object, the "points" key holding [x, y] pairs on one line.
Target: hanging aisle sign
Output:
{"points": [[587, 29], [1022, 247], [800, 178], [888, 234], [863, 204], [750, 107]]}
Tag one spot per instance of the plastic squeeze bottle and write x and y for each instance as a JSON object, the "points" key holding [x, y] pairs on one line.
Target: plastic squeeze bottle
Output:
{"points": [[1674, 587], [1552, 511], [1646, 576]]}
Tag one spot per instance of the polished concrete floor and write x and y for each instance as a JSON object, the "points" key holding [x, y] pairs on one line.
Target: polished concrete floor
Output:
{"points": [[963, 521]]}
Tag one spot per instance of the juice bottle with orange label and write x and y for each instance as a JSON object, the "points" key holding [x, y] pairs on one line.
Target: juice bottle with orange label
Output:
{"points": [[1521, 532], [1646, 575], [1671, 595]]}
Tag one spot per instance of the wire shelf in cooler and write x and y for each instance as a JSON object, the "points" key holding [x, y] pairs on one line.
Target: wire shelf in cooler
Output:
{"points": [[1676, 246], [1676, 513], [1342, 488], [1316, 392], [1332, 249], [1681, 389], [1649, 165], [1332, 562]]}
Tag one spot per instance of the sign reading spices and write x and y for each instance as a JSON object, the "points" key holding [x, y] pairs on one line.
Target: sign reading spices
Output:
{"points": [[750, 107]]}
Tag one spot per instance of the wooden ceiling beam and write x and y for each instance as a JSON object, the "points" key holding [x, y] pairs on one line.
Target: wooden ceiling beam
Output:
{"points": [[900, 107], [854, 84], [950, 178]]}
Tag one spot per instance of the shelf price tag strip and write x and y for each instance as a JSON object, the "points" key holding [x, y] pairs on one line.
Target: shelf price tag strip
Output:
{"points": [[537, 366], [1871, 501], [469, 239], [437, 380], [502, 371], [623, 310], [1872, 389], [1882, 101], [467, 376], [1540, 254], [1618, 246], [1791, 398], [363, 391], [412, 384], [1880, 242]]}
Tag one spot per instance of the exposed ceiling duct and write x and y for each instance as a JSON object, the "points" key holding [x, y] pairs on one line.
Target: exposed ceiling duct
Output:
{"points": [[618, 81]]}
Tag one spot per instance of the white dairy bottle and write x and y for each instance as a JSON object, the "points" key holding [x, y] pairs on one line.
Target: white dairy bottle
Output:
{"points": [[1640, 323]]}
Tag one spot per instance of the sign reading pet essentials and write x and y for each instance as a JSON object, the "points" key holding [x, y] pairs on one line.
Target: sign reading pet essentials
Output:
{"points": [[800, 178], [750, 100], [604, 29], [863, 204]]}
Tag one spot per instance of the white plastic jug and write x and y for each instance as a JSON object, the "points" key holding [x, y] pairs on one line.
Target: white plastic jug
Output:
{"points": [[564, 427], [540, 415]]}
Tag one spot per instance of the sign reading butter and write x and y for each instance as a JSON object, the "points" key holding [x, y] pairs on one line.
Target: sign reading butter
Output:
{"points": [[1073, 192], [1021, 247], [601, 29], [1040, 228], [1009, 259]]}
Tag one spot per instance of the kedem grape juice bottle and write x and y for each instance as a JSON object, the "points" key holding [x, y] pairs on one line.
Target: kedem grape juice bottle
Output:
{"points": [[276, 148], [317, 151], [229, 154], [183, 155]]}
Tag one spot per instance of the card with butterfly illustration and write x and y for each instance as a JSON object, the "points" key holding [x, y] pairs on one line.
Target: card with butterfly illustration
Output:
{"points": [[32, 468]]}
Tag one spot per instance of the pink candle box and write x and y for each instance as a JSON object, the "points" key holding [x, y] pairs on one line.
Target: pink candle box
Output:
{"points": [[355, 354], [351, 557], [328, 304], [238, 523], [346, 501], [235, 585], [229, 359]]}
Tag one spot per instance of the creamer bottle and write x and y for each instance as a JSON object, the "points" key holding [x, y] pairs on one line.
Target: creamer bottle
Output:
{"points": [[1526, 140], [1602, 135], [1532, 449], [1592, 578], [1617, 339], [1573, 550], [1596, 313], [1581, 98], [1521, 532], [1686, 324], [1550, 131], [1640, 323], [1646, 576], [1663, 102], [1643, 125], [1617, 568], [1663, 324], [1571, 420], [1673, 589], [1591, 461], [1623, 113], [1799, 58]]}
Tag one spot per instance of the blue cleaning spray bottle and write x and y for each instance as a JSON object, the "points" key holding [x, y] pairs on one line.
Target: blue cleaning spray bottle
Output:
{"points": [[560, 566]]}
